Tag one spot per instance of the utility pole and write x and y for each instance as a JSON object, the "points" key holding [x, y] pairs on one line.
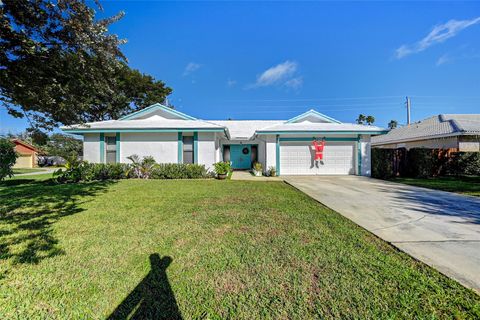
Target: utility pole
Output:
{"points": [[408, 110]]}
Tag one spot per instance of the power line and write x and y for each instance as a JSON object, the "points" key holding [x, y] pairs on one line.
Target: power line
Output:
{"points": [[318, 99]]}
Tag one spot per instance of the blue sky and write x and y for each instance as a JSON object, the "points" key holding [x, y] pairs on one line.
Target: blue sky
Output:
{"points": [[274, 60]]}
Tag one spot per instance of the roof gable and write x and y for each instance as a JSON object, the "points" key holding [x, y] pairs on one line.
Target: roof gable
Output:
{"points": [[24, 144], [159, 110], [314, 117]]}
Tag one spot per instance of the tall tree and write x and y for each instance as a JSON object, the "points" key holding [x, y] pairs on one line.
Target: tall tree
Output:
{"points": [[59, 64], [63, 145], [370, 120], [361, 119], [393, 124]]}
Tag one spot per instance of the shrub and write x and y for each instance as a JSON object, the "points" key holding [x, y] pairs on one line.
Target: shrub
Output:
{"points": [[73, 170], [179, 171], [143, 168], [272, 171], [382, 163], [84, 171], [464, 163], [101, 171], [421, 163], [8, 157], [257, 166], [222, 167]]}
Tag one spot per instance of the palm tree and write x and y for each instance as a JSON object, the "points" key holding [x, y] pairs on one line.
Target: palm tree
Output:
{"points": [[361, 119], [392, 124], [370, 120]]}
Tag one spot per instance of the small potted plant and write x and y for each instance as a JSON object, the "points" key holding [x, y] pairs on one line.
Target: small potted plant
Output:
{"points": [[257, 169], [222, 169], [272, 171]]}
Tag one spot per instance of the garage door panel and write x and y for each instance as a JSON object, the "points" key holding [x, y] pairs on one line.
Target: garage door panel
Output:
{"points": [[296, 158]]}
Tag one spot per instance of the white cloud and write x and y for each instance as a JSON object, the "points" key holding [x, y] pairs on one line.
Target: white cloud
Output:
{"points": [[439, 34], [190, 68], [277, 74], [231, 83], [294, 83], [283, 74], [443, 59]]}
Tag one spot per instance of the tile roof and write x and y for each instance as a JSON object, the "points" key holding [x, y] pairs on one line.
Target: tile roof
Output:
{"points": [[442, 125]]}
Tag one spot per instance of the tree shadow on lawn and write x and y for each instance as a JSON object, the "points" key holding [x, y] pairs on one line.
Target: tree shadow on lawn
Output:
{"points": [[152, 298], [28, 210]]}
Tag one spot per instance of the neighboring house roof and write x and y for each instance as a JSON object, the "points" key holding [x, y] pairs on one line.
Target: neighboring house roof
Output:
{"points": [[440, 126], [157, 118], [25, 145]]}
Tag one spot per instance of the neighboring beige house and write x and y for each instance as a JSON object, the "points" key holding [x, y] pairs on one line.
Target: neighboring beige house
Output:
{"points": [[27, 154], [460, 132]]}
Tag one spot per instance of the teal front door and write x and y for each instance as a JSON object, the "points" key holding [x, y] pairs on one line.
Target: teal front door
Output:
{"points": [[241, 156]]}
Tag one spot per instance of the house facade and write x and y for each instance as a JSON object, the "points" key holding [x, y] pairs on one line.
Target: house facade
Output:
{"points": [[27, 154], [174, 137], [458, 132]]}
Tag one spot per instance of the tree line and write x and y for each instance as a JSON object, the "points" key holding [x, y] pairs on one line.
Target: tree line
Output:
{"points": [[60, 65]]}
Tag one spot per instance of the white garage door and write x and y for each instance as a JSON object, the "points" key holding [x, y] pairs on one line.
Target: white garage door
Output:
{"points": [[296, 158]]}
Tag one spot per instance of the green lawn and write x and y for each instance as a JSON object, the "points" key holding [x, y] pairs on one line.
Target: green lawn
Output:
{"points": [[465, 185], [26, 170], [202, 249]]}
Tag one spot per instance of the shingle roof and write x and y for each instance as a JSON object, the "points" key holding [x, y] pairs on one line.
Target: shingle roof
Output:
{"points": [[442, 125]]}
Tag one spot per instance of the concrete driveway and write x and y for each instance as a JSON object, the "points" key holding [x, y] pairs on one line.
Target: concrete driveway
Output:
{"points": [[439, 228]]}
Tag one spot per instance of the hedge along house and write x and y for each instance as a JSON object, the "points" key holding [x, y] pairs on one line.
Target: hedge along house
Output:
{"points": [[174, 137]]}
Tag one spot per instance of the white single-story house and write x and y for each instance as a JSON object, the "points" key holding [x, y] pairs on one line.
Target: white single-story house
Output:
{"points": [[174, 137]]}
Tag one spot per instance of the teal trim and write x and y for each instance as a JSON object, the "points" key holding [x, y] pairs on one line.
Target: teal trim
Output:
{"points": [[117, 147], [154, 107], [195, 147], [310, 139], [277, 162], [359, 146], [315, 113], [142, 130], [321, 132], [180, 147], [102, 147]]}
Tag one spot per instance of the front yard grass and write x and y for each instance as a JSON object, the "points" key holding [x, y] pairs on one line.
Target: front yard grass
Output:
{"points": [[26, 170], [207, 249], [469, 185]]}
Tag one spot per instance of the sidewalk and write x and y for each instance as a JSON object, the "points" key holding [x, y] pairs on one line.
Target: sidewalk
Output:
{"points": [[247, 176]]}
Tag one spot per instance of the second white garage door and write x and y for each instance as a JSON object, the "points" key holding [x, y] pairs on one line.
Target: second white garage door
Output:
{"points": [[296, 158]]}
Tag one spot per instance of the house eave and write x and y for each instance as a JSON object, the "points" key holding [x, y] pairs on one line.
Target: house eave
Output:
{"points": [[323, 132]]}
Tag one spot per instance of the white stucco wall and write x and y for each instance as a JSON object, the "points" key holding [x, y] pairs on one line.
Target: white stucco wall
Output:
{"points": [[271, 151], [161, 146], [91, 147], [206, 149], [365, 147]]}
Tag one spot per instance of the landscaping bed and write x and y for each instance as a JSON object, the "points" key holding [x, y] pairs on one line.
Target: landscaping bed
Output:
{"points": [[202, 249]]}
